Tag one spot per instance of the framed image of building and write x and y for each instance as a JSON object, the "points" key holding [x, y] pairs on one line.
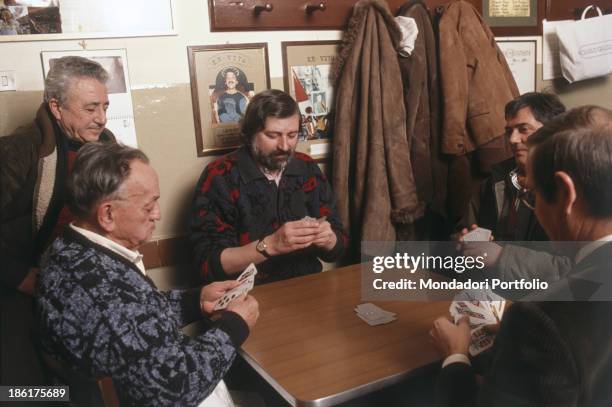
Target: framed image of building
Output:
{"points": [[307, 69]]}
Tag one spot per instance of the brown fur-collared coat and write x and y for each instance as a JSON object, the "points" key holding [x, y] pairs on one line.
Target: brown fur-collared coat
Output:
{"points": [[372, 172]]}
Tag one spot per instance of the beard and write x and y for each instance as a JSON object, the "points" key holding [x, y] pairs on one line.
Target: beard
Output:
{"points": [[273, 161]]}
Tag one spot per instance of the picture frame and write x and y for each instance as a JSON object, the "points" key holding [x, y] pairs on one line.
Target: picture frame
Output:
{"points": [[307, 78], [49, 20], [223, 80], [521, 56], [514, 17]]}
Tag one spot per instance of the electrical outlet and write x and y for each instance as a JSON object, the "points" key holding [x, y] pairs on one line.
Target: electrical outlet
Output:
{"points": [[7, 81]]}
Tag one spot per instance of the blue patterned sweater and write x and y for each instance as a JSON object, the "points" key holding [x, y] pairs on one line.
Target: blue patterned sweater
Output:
{"points": [[101, 316]]}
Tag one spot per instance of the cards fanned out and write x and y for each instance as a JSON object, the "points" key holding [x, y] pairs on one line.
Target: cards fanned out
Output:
{"points": [[488, 309], [373, 315], [247, 280]]}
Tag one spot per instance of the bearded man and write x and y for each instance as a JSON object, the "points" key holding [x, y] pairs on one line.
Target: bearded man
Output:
{"points": [[265, 203]]}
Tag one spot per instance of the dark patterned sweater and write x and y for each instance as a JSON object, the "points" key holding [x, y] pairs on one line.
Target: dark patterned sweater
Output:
{"points": [[101, 316], [235, 204]]}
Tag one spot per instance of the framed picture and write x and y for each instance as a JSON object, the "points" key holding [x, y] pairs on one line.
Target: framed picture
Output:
{"points": [[223, 80], [514, 17], [521, 58], [120, 113], [38, 20], [307, 78]]}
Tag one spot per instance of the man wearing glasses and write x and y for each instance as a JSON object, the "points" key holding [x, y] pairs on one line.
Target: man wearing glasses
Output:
{"points": [[552, 351]]}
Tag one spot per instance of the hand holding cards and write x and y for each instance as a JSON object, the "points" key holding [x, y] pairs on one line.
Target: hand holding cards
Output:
{"points": [[477, 235], [247, 281], [373, 315], [480, 313]]}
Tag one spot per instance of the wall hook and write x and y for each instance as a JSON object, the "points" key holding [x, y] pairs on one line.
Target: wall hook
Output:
{"points": [[265, 7], [311, 8]]}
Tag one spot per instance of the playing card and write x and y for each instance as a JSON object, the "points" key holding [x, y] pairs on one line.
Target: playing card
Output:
{"points": [[477, 316], [309, 219], [379, 321], [480, 340], [314, 220], [250, 271], [374, 315], [247, 281], [477, 235], [370, 309]]}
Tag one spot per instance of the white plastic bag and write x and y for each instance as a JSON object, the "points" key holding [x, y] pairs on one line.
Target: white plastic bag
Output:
{"points": [[585, 47]]}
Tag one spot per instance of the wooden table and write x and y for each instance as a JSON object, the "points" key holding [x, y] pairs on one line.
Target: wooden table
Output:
{"points": [[312, 348]]}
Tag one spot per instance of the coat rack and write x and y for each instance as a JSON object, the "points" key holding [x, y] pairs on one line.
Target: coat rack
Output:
{"points": [[264, 15]]}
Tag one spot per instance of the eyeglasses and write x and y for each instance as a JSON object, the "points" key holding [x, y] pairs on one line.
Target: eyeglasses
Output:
{"points": [[527, 198]]}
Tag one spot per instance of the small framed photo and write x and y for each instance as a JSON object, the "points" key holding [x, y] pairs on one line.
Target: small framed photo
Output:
{"points": [[308, 79], [224, 78], [514, 17]]}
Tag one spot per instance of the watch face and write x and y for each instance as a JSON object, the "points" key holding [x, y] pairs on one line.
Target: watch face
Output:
{"points": [[261, 246]]}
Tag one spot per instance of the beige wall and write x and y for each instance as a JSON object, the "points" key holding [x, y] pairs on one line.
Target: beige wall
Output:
{"points": [[161, 93]]}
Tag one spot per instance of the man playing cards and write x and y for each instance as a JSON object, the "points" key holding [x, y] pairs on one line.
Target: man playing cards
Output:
{"points": [[552, 353], [101, 316], [265, 203]]}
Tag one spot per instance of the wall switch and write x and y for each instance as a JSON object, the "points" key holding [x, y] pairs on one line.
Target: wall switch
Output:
{"points": [[7, 81]]}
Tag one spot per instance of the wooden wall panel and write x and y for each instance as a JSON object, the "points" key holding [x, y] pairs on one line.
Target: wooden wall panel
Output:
{"points": [[572, 9], [242, 15]]}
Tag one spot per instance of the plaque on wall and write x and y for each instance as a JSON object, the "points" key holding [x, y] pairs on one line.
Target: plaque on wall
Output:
{"points": [[513, 17]]}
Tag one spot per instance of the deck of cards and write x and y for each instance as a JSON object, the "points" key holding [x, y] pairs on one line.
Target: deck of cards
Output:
{"points": [[247, 280], [488, 309], [373, 315], [477, 235]]}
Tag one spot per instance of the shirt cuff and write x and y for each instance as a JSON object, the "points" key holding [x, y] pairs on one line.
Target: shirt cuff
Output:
{"points": [[234, 326], [456, 358]]}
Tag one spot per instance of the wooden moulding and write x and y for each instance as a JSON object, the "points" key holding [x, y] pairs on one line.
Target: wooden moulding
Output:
{"points": [[572, 9], [251, 15], [270, 15]]}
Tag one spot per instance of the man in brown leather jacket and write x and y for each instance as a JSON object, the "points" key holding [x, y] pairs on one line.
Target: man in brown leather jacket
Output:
{"points": [[34, 163]]}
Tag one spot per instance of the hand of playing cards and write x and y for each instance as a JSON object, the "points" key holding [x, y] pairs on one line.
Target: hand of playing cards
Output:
{"points": [[480, 314], [374, 315], [247, 280]]}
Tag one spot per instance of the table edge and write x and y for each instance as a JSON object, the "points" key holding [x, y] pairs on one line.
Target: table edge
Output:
{"points": [[347, 395]]}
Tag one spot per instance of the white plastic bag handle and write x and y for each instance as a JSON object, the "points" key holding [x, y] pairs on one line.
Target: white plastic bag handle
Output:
{"points": [[586, 10]]}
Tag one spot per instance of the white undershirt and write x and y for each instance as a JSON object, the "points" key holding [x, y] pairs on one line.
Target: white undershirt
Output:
{"points": [[130, 255]]}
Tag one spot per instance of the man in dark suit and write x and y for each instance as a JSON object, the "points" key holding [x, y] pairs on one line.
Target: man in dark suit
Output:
{"points": [[552, 353]]}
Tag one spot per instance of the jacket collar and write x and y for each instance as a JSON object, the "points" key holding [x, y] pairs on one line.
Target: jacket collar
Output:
{"points": [[249, 171], [52, 134]]}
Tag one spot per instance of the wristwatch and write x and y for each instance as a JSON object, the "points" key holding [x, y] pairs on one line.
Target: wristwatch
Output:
{"points": [[261, 248]]}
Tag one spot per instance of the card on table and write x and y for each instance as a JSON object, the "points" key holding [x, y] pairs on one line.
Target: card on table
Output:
{"points": [[374, 315]]}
